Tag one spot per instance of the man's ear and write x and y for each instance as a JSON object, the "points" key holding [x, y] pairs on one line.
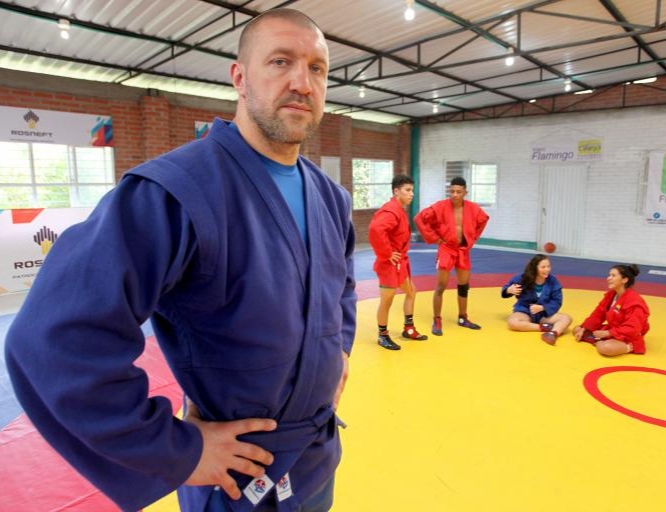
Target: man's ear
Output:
{"points": [[238, 77]]}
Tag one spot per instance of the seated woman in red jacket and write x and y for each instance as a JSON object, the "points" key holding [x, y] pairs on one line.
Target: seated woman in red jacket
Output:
{"points": [[620, 321]]}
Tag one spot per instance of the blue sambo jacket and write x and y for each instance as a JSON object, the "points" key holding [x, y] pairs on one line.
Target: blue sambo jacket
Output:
{"points": [[550, 297], [251, 321]]}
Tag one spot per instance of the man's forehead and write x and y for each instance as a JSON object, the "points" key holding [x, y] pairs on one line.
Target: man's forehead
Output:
{"points": [[280, 28]]}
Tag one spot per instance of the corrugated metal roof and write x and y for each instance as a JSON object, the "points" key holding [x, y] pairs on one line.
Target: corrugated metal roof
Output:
{"points": [[451, 56]]}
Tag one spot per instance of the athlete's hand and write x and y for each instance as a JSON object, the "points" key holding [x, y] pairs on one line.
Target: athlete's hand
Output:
{"points": [[222, 451], [601, 335], [343, 380], [578, 332], [515, 289], [395, 257], [536, 308]]}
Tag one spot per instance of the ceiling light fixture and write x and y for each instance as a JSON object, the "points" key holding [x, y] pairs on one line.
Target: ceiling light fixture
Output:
{"points": [[361, 91], [533, 100], [510, 59], [435, 108], [64, 27], [409, 10], [567, 85], [645, 80], [586, 91]]}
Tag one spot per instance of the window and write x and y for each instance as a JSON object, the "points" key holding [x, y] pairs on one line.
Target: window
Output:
{"points": [[483, 184], [372, 182], [481, 180], [34, 175]]}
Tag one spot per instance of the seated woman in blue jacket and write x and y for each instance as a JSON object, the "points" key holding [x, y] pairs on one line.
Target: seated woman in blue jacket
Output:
{"points": [[538, 301]]}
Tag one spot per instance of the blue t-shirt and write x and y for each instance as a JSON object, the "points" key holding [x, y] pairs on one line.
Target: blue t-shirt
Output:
{"points": [[290, 182]]}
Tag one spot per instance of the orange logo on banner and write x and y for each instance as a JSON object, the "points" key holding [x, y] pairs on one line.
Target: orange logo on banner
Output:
{"points": [[25, 215]]}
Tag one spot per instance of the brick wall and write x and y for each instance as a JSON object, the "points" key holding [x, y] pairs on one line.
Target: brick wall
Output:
{"points": [[147, 123], [616, 96]]}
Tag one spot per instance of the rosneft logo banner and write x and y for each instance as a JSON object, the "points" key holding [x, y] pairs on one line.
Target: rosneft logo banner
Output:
{"points": [[32, 125], [26, 238]]}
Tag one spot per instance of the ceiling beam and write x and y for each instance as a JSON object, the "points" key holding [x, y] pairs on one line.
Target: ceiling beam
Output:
{"points": [[618, 16]]}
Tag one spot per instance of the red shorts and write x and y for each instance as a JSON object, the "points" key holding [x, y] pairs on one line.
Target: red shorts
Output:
{"points": [[448, 258], [390, 275]]}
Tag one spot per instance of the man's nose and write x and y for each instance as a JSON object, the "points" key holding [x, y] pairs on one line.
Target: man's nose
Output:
{"points": [[300, 79]]}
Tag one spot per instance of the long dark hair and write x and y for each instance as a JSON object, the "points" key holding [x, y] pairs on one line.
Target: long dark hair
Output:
{"points": [[530, 273], [628, 271]]}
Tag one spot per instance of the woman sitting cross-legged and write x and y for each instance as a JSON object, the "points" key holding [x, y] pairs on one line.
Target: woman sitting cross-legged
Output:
{"points": [[619, 323], [538, 301]]}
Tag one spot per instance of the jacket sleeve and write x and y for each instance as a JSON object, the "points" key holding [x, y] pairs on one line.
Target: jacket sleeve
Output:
{"points": [[426, 223], [598, 316], [349, 296], [70, 351], [633, 323], [553, 301], [515, 279], [381, 224], [481, 221]]}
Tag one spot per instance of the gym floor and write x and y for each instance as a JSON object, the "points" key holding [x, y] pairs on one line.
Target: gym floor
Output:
{"points": [[471, 421]]}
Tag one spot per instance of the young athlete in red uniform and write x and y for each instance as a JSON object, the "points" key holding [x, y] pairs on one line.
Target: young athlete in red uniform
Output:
{"points": [[389, 235], [455, 225]]}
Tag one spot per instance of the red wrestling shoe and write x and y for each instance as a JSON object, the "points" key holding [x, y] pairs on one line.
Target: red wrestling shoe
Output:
{"points": [[549, 337], [589, 337], [410, 333], [546, 327]]}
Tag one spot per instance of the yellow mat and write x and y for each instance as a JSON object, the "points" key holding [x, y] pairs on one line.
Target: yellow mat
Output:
{"points": [[497, 421]]}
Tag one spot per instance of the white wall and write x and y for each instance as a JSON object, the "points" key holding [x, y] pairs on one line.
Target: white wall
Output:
{"points": [[613, 230]]}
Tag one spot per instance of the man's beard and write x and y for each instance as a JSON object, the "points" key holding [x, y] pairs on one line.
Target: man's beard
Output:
{"points": [[275, 128]]}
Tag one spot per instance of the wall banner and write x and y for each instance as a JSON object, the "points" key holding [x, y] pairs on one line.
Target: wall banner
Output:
{"points": [[49, 126], [655, 197], [26, 236], [566, 148]]}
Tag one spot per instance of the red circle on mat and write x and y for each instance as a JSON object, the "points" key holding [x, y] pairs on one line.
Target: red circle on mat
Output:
{"points": [[591, 383]]}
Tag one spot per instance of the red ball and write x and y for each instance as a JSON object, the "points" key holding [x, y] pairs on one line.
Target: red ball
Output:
{"points": [[549, 247]]}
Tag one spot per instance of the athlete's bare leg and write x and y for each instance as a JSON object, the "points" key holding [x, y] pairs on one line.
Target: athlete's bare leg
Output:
{"points": [[442, 280]]}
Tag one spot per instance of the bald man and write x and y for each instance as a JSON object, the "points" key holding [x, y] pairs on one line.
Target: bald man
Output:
{"points": [[251, 296]]}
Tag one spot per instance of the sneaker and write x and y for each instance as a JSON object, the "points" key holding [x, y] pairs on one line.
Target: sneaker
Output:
{"points": [[384, 340], [437, 326], [549, 337], [463, 322], [546, 327], [410, 333]]}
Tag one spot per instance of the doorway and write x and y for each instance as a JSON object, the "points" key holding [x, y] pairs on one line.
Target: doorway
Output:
{"points": [[562, 212]]}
